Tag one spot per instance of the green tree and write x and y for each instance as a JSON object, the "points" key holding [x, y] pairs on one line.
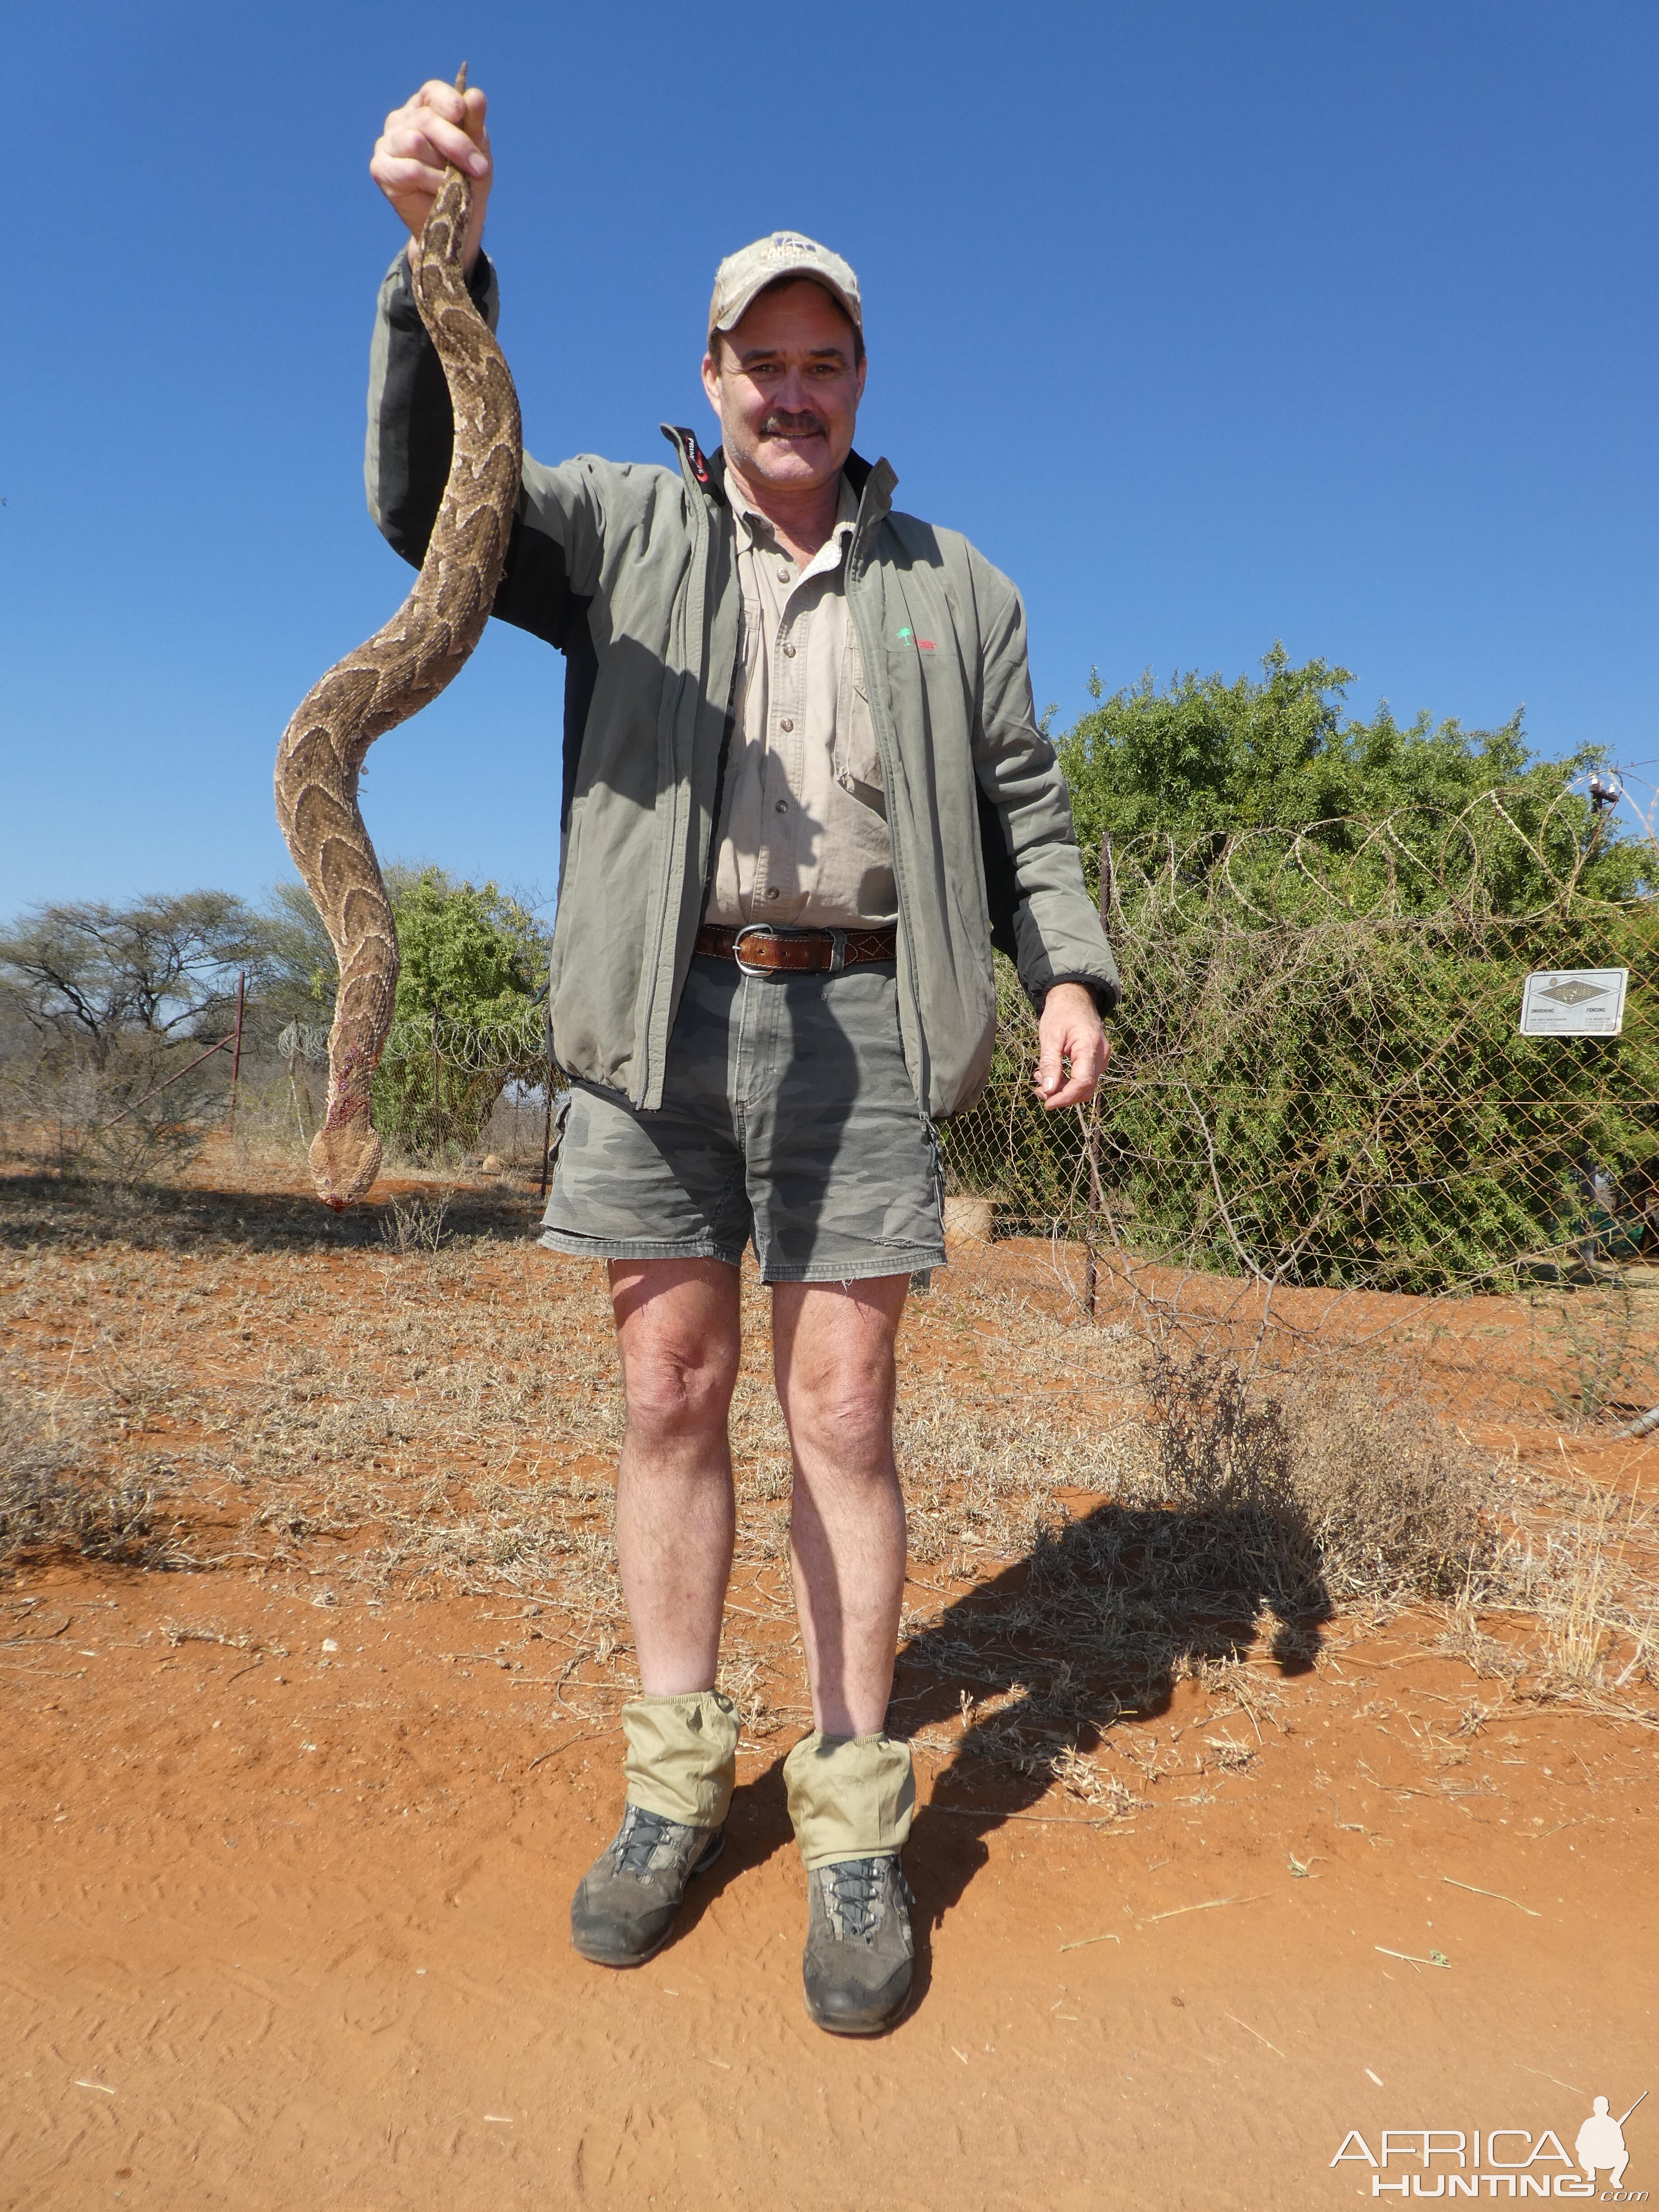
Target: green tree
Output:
{"points": [[1323, 925], [1188, 765], [472, 962], [471, 953]]}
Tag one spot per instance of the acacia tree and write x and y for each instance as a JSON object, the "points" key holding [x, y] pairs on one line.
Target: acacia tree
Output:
{"points": [[93, 975], [301, 975]]}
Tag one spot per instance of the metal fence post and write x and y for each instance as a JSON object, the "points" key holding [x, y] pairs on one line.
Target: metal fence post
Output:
{"points": [[1088, 1116], [437, 1119], [1096, 1205], [236, 1046]]}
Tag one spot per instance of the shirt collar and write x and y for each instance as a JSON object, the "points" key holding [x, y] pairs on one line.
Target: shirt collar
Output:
{"points": [[752, 525]]}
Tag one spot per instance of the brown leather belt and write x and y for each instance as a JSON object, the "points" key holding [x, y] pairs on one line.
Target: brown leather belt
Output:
{"points": [[760, 950]]}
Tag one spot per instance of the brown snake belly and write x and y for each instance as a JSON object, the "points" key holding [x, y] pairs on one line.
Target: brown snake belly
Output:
{"points": [[383, 683]]}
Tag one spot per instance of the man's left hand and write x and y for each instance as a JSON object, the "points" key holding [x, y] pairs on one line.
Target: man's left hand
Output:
{"points": [[1069, 1029]]}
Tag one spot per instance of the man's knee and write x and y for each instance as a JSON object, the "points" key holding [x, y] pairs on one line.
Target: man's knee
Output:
{"points": [[846, 1410], [672, 1391]]}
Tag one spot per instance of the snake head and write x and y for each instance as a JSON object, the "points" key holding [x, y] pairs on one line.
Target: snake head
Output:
{"points": [[344, 1162]]}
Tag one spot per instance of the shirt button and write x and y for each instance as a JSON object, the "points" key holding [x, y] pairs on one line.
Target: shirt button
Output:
{"points": [[784, 575], [773, 892], [786, 725], [782, 806], [788, 652]]}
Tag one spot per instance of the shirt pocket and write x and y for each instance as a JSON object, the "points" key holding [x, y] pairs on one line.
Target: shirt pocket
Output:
{"points": [[857, 760]]}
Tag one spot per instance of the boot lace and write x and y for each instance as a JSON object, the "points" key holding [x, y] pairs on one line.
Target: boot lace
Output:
{"points": [[643, 1835], [855, 1895]]}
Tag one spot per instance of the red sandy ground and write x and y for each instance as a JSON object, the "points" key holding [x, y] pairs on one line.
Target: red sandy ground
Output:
{"points": [[292, 1934]]}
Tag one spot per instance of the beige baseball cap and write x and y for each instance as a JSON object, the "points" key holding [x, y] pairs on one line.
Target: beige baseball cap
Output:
{"points": [[748, 272]]}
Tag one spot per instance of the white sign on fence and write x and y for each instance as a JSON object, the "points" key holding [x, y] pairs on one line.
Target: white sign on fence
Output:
{"points": [[1574, 1002]]}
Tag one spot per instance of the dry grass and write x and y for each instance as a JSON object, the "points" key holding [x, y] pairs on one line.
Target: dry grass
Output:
{"points": [[54, 1499], [144, 1116], [1326, 1492], [416, 1224], [1583, 1578], [414, 1397]]}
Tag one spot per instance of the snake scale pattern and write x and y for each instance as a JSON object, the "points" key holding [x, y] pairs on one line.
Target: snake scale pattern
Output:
{"points": [[390, 678]]}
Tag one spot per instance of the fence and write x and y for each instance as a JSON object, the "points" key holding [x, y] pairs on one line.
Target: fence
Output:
{"points": [[439, 1081], [1321, 1120], [1321, 1128]]}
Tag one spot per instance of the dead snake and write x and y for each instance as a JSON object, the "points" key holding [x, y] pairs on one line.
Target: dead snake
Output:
{"points": [[390, 678]]}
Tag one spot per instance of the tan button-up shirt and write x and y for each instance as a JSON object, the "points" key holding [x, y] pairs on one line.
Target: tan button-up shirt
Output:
{"points": [[803, 831]]}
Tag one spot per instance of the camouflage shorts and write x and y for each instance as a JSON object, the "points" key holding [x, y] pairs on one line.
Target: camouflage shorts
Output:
{"points": [[788, 1117]]}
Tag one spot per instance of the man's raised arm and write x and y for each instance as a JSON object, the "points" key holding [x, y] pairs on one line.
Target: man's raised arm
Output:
{"points": [[553, 555]]}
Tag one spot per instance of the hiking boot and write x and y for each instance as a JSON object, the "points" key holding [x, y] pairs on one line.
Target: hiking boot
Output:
{"points": [[860, 1949], [623, 1910]]}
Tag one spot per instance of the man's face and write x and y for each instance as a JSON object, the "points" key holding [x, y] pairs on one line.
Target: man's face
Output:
{"points": [[785, 388]]}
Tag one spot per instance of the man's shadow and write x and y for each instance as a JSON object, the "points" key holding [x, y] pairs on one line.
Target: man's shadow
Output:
{"points": [[1066, 1655]]}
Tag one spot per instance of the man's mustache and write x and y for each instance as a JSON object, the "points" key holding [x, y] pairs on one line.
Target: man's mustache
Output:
{"points": [[779, 424]]}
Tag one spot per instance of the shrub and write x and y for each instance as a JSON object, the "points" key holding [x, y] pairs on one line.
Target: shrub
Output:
{"points": [[1326, 1491], [52, 1499]]}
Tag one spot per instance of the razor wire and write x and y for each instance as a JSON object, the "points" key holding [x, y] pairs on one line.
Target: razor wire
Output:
{"points": [[439, 1077], [1321, 1120], [1320, 1125]]}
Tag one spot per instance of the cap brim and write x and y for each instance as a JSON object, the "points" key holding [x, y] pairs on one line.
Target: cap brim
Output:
{"points": [[746, 299]]}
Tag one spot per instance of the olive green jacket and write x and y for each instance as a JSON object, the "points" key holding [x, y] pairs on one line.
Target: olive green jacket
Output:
{"points": [[628, 570]]}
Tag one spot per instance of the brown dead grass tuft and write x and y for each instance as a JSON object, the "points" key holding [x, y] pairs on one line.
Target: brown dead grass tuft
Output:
{"points": [[311, 1399], [1330, 1493], [54, 1499], [416, 1224]]}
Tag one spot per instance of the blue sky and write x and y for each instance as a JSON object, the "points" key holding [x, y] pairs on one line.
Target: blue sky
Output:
{"points": [[1210, 324]]}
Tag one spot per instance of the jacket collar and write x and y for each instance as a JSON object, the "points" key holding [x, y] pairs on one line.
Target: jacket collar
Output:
{"points": [[874, 486], [700, 474], [873, 482]]}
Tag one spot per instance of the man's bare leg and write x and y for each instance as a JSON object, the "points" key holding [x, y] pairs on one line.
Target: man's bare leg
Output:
{"points": [[676, 1325], [849, 1787], [833, 1354], [678, 1332]]}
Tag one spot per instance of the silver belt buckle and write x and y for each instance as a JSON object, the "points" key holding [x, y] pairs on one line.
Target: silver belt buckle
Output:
{"points": [[752, 929]]}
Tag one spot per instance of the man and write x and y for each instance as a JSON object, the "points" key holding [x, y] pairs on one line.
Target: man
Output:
{"points": [[803, 795]]}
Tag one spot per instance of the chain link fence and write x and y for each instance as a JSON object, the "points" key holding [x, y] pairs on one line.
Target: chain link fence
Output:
{"points": [[1321, 1124], [1322, 1133]]}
